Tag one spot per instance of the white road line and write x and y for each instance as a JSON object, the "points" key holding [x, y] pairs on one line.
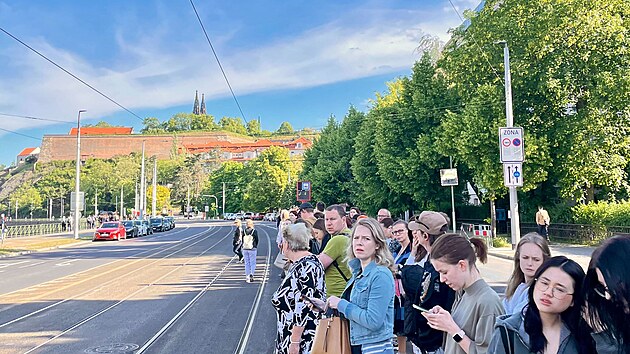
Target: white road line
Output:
{"points": [[10, 264], [63, 264], [242, 345], [32, 264]]}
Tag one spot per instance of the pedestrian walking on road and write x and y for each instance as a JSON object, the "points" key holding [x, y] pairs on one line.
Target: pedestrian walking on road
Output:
{"points": [[552, 320], [368, 299], [607, 288], [542, 220], [531, 252], [304, 283], [250, 243], [237, 240], [468, 327]]}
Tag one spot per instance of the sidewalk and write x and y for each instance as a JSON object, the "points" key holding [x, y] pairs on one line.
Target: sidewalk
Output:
{"points": [[22, 245], [578, 253]]}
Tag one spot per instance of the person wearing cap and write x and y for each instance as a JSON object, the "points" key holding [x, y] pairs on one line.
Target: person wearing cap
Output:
{"points": [[427, 227], [306, 213]]}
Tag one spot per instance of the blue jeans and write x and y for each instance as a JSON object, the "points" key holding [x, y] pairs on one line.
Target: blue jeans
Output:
{"points": [[250, 261]]}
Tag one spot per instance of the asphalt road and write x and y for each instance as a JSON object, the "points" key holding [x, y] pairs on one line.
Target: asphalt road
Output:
{"points": [[179, 291]]}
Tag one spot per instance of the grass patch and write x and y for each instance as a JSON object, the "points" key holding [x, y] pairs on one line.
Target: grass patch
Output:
{"points": [[34, 246]]}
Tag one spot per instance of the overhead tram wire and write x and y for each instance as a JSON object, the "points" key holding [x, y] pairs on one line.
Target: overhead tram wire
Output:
{"points": [[35, 118], [483, 54], [71, 74], [24, 135], [218, 61]]}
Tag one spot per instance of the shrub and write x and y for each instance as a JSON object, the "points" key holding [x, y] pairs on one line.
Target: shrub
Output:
{"points": [[603, 213], [499, 242]]}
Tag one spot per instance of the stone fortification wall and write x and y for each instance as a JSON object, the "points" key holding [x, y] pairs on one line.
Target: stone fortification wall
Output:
{"points": [[64, 147]]}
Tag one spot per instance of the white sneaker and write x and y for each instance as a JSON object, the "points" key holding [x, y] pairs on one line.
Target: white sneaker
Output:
{"points": [[248, 279]]}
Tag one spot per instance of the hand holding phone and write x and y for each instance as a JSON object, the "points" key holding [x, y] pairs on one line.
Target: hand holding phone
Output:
{"points": [[318, 304], [417, 307]]}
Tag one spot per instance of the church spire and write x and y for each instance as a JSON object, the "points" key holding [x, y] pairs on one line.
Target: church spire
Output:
{"points": [[196, 105], [203, 105]]}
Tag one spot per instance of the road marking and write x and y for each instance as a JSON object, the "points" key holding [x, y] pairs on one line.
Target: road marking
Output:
{"points": [[10, 264], [32, 264], [63, 264], [242, 345]]}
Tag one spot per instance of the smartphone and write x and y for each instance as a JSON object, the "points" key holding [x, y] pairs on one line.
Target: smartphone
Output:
{"points": [[419, 308], [313, 302]]}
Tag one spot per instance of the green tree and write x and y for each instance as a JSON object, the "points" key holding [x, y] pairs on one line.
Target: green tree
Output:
{"points": [[179, 122], [29, 200], [231, 174], [203, 122], [152, 125], [234, 125], [285, 128], [162, 198], [253, 127], [267, 177]]}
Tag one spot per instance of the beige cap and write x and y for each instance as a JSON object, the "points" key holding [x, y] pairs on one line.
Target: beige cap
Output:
{"points": [[430, 222]]}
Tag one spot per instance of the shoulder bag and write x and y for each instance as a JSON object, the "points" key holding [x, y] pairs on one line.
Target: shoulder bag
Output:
{"points": [[508, 345], [332, 336]]}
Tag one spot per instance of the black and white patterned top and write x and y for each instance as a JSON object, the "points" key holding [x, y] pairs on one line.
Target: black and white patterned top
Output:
{"points": [[304, 278]]}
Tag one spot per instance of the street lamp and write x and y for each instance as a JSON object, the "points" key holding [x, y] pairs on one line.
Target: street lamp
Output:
{"points": [[77, 180]]}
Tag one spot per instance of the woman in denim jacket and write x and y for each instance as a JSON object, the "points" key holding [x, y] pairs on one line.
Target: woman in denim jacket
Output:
{"points": [[370, 307]]}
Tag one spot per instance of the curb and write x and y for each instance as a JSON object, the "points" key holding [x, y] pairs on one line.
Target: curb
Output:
{"points": [[21, 253], [500, 255]]}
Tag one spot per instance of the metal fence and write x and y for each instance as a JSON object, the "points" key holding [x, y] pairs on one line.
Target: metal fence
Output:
{"points": [[49, 228]]}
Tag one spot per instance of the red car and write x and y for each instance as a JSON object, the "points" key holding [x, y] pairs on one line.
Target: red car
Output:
{"points": [[110, 230]]}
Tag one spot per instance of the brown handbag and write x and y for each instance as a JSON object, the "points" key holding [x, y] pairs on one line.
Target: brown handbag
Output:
{"points": [[332, 336]]}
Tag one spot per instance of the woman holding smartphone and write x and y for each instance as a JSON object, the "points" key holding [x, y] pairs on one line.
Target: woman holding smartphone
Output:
{"points": [[368, 300], [469, 325]]}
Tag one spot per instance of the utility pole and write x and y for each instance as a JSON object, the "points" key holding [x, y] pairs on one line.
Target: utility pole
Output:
{"points": [[515, 229], [77, 182], [135, 201], [50, 215], [223, 200], [154, 197], [16, 208], [122, 204], [450, 159], [142, 185], [95, 203], [61, 211]]}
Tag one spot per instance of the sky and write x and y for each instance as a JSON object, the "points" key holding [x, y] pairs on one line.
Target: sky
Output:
{"points": [[296, 61]]}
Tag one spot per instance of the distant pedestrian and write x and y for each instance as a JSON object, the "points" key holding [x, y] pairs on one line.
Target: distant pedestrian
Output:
{"points": [[63, 223], [297, 320], [607, 288], [250, 243], [237, 240], [469, 326], [542, 220], [368, 299], [552, 321], [532, 250]]}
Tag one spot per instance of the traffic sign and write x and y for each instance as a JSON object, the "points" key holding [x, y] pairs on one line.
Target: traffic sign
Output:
{"points": [[303, 191], [81, 201], [513, 174], [511, 144], [448, 177]]}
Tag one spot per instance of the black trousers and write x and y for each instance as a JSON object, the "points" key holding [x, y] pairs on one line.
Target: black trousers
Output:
{"points": [[237, 251]]}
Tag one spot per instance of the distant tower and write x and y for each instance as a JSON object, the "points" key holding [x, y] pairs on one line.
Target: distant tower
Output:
{"points": [[203, 105], [196, 105]]}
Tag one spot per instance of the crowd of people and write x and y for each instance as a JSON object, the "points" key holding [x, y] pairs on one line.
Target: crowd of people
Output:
{"points": [[402, 283]]}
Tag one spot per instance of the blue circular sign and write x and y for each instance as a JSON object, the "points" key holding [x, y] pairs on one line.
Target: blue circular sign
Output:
{"points": [[517, 174], [516, 142]]}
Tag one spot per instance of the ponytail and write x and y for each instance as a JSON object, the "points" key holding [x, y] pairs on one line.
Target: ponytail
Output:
{"points": [[451, 248]]}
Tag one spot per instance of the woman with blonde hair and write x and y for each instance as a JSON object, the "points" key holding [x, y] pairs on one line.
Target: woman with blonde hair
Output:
{"points": [[237, 240], [368, 300], [305, 280], [531, 252], [250, 244]]}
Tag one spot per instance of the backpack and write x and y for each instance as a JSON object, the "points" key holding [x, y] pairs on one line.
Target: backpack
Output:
{"points": [[248, 240]]}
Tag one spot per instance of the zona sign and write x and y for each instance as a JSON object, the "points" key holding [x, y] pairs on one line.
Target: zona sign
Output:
{"points": [[511, 144]]}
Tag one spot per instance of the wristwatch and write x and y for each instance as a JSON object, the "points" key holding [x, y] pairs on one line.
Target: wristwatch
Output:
{"points": [[457, 337]]}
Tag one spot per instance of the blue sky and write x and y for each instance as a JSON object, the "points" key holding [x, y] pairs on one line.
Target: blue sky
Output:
{"points": [[296, 61]]}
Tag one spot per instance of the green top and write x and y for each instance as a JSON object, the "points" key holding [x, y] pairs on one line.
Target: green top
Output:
{"points": [[337, 249]]}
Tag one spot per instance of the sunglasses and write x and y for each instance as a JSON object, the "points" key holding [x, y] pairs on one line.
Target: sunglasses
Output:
{"points": [[602, 291]]}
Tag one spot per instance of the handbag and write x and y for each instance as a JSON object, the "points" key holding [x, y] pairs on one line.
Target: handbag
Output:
{"points": [[280, 261], [332, 336]]}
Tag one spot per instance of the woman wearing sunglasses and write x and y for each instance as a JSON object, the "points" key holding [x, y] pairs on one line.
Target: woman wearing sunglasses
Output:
{"points": [[551, 322], [607, 293]]}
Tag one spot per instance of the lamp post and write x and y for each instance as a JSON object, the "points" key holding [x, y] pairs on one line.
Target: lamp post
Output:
{"points": [[515, 228], [142, 186], [77, 179]]}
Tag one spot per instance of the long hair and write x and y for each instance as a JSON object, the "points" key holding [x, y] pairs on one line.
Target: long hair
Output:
{"points": [[382, 256], [517, 276], [610, 315], [452, 248], [571, 317]]}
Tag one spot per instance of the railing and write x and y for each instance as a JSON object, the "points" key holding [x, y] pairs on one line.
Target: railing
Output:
{"points": [[12, 231]]}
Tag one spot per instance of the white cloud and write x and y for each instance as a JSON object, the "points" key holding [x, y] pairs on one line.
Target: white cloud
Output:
{"points": [[150, 74]]}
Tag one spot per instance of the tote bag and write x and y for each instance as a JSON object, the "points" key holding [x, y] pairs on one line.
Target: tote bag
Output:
{"points": [[332, 336]]}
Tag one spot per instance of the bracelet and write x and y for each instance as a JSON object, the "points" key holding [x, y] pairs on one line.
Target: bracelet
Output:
{"points": [[292, 342]]}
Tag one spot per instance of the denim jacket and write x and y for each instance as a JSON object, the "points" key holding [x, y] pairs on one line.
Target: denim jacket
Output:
{"points": [[371, 306]]}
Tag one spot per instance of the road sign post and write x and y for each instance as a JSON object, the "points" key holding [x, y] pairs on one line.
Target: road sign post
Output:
{"points": [[513, 174], [511, 144], [303, 191]]}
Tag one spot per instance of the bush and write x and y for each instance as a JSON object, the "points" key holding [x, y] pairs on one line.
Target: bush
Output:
{"points": [[603, 213], [499, 242]]}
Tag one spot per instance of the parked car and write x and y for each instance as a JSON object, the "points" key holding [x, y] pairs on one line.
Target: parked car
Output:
{"points": [[257, 216], [110, 230], [238, 216], [171, 221], [142, 230], [248, 215], [147, 226], [157, 224], [131, 230], [227, 216], [270, 217]]}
